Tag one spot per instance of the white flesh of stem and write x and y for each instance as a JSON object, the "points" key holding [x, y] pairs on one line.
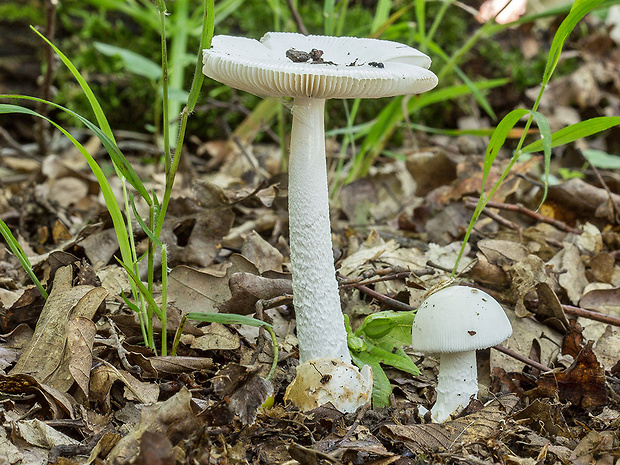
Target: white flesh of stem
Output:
{"points": [[320, 324], [456, 383]]}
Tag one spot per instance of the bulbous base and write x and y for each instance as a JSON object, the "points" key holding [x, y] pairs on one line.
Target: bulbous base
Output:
{"points": [[325, 380]]}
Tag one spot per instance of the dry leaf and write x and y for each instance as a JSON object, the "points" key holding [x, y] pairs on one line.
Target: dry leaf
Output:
{"points": [[46, 356], [479, 426], [173, 418]]}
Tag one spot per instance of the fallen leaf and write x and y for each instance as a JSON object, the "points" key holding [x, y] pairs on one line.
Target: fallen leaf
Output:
{"points": [[46, 357], [173, 419], [582, 384], [479, 426], [80, 337]]}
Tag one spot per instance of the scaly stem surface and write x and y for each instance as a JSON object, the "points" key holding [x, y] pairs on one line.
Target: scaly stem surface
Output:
{"points": [[320, 323]]}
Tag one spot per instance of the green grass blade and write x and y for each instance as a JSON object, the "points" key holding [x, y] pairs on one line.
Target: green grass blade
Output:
{"points": [[382, 13], [115, 213], [94, 103], [576, 131], [120, 162], [578, 11], [234, 319], [21, 256], [545, 138]]}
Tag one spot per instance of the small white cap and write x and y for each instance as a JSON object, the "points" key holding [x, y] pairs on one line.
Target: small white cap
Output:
{"points": [[459, 319], [325, 380], [352, 67]]}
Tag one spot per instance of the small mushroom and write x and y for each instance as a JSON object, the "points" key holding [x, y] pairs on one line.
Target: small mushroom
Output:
{"points": [[266, 68], [454, 322]]}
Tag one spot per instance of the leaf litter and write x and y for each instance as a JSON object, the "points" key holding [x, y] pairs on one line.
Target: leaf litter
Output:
{"points": [[76, 386]]}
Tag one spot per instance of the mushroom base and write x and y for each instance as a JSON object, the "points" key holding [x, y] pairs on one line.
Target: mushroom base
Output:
{"points": [[330, 380], [457, 382]]}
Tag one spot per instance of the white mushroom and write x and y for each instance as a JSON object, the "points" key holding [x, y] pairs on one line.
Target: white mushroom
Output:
{"points": [[455, 321], [312, 69]]}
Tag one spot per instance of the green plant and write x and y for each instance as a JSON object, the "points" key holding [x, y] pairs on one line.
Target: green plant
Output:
{"points": [[378, 341], [547, 140], [144, 305]]}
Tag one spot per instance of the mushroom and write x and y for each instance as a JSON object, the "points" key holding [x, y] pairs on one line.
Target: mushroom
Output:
{"points": [[312, 69], [454, 322]]}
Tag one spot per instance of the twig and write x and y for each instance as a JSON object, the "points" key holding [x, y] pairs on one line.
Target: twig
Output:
{"points": [[384, 274], [297, 17], [522, 358], [526, 211], [355, 424], [591, 314], [388, 301]]}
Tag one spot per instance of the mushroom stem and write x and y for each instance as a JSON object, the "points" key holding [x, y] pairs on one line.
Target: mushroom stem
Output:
{"points": [[456, 383], [320, 324]]}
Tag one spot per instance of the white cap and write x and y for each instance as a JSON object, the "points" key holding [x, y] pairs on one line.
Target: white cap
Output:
{"points": [[459, 319], [350, 67]]}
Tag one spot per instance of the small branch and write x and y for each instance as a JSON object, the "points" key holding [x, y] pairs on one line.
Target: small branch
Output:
{"points": [[591, 314], [527, 212], [387, 301], [521, 358]]}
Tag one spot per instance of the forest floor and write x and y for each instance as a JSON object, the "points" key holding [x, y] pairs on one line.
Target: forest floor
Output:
{"points": [[78, 386]]}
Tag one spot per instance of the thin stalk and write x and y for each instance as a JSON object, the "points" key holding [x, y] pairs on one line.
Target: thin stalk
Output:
{"points": [[205, 42], [150, 271], [436, 22], [164, 297], [142, 316], [161, 6]]}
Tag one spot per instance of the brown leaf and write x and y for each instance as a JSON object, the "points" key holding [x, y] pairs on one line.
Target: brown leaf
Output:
{"points": [[198, 291], [216, 337], [177, 364], [602, 267], [173, 419], [247, 289], [582, 384], [262, 253], [155, 449], [103, 377], [549, 308], [46, 357], [478, 426], [600, 298], [573, 273], [80, 337]]}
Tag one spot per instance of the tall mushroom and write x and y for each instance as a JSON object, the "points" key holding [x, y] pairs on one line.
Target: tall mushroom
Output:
{"points": [[454, 322], [312, 69]]}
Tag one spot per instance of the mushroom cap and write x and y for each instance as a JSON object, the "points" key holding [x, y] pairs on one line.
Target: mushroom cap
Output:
{"points": [[459, 319], [325, 380], [350, 67]]}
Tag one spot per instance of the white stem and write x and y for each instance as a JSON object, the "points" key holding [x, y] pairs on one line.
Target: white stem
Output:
{"points": [[320, 324], [456, 383]]}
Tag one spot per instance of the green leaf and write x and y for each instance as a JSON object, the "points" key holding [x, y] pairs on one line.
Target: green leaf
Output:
{"points": [[132, 61], [576, 131], [21, 256], [602, 159], [94, 103], [388, 326], [381, 388]]}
